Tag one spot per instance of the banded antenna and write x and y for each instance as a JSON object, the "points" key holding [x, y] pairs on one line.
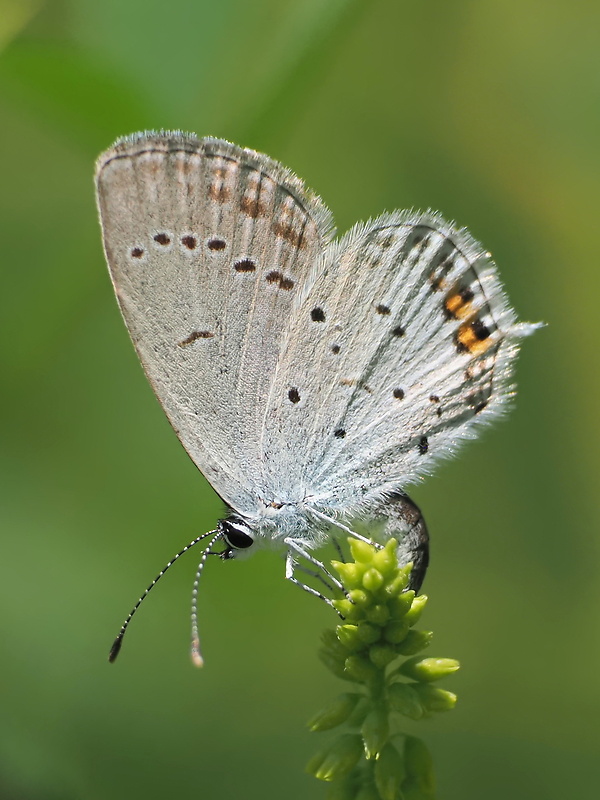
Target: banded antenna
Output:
{"points": [[116, 646]]}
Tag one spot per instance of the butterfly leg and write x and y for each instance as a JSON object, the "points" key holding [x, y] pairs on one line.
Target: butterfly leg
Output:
{"points": [[339, 550], [301, 551], [342, 527], [290, 567], [316, 575], [321, 573]]}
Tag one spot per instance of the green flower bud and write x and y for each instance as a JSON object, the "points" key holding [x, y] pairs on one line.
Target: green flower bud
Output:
{"points": [[389, 772], [397, 585], [385, 560], [414, 613], [350, 574], [406, 571], [359, 714], [378, 614], [337, 759], [414, 642], [334, 664], [395, 631], [435, 699], [360, 598], [333, 654], [359, 668], [347, 608], [404, 699], [428, 669], [419, 765], [400, 604], [368, 633], [335, 713], [361, 551], [333, 646], [372, 580], [375, 731], [349, 638], [382, 654]]}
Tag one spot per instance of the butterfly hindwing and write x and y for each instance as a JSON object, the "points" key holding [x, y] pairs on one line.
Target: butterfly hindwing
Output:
{"points": [[403, 345]]}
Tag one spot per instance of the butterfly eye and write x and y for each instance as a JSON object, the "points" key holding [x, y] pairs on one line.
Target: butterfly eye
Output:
{"points": [[236, 534]]}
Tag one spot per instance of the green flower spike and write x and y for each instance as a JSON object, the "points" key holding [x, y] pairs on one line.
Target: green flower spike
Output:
{"points": [[370, 759]]}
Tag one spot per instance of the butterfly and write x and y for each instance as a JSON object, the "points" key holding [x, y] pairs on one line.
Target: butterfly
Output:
{"points": [[310, 379]]}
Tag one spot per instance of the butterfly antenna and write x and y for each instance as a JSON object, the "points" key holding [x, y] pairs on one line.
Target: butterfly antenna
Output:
{"points": [[197, 659], [116, 647]]}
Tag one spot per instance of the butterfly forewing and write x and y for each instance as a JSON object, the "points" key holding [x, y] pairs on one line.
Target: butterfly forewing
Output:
{"points": [[208, 246], [403, 345]]}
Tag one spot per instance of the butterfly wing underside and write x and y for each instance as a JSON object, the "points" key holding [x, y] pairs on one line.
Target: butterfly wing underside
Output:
{"points": [[208, 245], [403, 346]]}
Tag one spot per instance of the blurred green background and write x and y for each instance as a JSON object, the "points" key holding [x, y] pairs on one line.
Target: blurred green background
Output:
{"points": [[487, 111]]}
